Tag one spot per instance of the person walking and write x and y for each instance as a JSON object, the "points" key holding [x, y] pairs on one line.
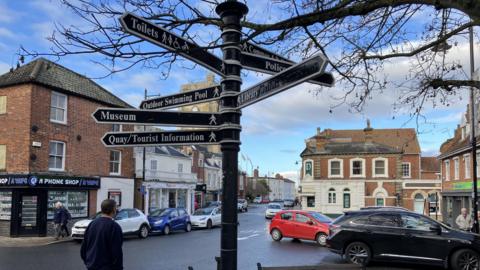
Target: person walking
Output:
{"points": [[102, 242], [464, 221], [60, 220]]}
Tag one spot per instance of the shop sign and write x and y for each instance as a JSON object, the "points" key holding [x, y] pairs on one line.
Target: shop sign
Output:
{"points": [[170, 185], [463, 185], [49, 181]]}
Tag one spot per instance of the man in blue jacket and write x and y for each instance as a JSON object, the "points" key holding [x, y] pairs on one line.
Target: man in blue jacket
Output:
{"points": [[102, 243], [60, 220]]}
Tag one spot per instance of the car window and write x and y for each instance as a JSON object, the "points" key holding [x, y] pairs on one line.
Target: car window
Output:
{"points": [[416, 223], [132, 213], [320, 217], [159, 212], [174, 213], [182, 212], [286, 216], [387, 220], [203, 212], [122, 214], [274, 206], [301, 218]]}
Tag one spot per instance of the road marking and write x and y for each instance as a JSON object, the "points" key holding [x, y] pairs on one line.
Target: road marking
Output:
{"points": [[247, 237]]}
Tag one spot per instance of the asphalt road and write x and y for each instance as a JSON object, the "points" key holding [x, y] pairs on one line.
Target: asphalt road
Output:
{"points": [[180, 250]]}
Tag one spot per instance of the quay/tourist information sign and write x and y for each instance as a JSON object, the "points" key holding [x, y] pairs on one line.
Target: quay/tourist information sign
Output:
{"points": [[288, 78], [190, 137], [160, 118], [182, 99], [157, 35]]}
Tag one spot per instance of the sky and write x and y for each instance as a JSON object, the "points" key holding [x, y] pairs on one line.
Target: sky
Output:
{"points": [[273, 130]]}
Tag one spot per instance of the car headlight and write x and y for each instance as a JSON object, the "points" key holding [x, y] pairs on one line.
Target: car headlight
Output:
{"points": [[158, 222]]}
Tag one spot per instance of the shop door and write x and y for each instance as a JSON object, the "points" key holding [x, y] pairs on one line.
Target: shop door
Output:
{"points": [[31, 213], [171, 199]]}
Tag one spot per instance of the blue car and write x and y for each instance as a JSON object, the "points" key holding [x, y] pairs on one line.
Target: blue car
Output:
{"points": [[166, 220]]}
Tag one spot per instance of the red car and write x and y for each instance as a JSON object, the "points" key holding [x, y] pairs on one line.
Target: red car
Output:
{"points": [[299, 224]]}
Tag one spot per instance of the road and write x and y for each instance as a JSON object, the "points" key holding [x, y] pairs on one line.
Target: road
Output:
{"points": [[180, 250]]}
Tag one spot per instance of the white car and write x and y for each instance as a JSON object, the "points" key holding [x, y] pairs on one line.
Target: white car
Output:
{"points": [[131, 220], [242, 205], [206, 217], [272, 209], [257, 199]]}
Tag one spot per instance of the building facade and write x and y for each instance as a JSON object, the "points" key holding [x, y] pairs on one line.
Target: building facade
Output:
{"points": [[349, 169], [50, 148], [280, 188]]}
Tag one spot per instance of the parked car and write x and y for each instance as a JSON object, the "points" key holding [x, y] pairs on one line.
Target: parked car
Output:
{"points": [[288, 203], [299, 224], [131, 220], [257, 199], [242, 205], [265, 200], [206, 217], [214, 204], [167, 220], [272, 210], [384, 208], [401, 236]]}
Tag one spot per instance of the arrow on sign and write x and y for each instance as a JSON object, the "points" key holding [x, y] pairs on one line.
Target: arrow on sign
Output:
{"points": [[157, 35], [116, 139], [288, 78], [259, 59], [183, 99], [148, 117]]}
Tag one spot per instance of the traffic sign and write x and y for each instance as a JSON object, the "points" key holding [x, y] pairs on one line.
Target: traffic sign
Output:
{"points": [[290, 77], [182, 99], [157, 35], [160, 118], [121, 139]]}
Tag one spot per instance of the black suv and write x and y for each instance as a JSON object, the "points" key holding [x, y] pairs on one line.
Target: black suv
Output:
{"points": [[396, 235]]}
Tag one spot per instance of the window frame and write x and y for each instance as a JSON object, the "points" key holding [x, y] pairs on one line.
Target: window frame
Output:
{"points": [[456, 168], [467, 166], [120, 127], [385, 168], [447, 169], [330, 175], [4, 168], [332, 196], [180, 167], [63, 156], [65, 112], [347, 193], [309, 202], [362, 175], [409, 170], [3, 105], [119, 163], [153, 161]]}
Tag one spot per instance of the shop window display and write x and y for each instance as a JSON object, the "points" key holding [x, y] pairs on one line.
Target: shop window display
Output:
{"points": [[5, 205], [75, 201]]}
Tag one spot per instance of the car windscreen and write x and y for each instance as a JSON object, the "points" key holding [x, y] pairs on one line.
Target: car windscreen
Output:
{"points": [[241, 200], [320, 217], [203, 212], [160, 212], [274, 206]]}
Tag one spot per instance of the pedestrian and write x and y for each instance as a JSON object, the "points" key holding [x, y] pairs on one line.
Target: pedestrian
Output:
{"points": [[464, 221], [60, 220], [102, 242]]}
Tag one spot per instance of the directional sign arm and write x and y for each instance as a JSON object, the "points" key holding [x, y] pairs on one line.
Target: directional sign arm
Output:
{"points": [[131, 139], [183, 99]]}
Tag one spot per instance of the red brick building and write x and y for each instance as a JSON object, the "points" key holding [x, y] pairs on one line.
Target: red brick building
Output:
{"points": [[350, 169], [50, 148]]}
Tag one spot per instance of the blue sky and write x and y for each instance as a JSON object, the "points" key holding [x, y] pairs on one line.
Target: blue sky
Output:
{"points": [[274, 130]]}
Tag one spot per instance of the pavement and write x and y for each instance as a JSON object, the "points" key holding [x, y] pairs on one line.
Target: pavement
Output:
{"points": [[197, 249], [30, 241]]}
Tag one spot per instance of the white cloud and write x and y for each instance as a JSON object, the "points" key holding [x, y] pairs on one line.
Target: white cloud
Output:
{"points": [[4, 68], [292, 175], [4, 32], [8, 15]]}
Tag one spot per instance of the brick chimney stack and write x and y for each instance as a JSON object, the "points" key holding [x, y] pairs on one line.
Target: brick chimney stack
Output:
{"points": [[255, 173], [368, 132]]}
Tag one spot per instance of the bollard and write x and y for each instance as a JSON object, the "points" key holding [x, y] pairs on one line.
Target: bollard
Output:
{"points": [[190, 268], [259, 266]]}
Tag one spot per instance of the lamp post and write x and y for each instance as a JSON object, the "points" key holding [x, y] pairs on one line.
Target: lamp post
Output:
{"points": [[473, 139]]}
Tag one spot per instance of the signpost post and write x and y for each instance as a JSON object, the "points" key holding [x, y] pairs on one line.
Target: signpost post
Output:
{"points": [[224, 127]]}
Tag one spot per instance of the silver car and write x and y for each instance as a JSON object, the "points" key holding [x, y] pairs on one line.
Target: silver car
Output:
{"points": [[272, 210]]}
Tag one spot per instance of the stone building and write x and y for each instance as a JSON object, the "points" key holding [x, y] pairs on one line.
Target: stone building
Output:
{"points": [[350, 169], [50, 148]]}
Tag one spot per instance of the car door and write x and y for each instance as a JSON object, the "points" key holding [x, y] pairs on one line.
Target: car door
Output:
{"points": [[174, 220], [423, 241], [286, 224], [183, 218], [122, 219], [134, 220], [217, 216], [304, 227]]}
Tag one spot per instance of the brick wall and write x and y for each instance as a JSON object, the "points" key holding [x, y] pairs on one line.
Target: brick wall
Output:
{"points": [[414, 161], [15, 127]]}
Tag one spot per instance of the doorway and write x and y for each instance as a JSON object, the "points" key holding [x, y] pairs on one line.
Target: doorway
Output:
{"points": [[29, 213], [172, 200]]}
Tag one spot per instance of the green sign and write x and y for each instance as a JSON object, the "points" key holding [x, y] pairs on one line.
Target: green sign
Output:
{"points": [[464, 185], [308, 168]]}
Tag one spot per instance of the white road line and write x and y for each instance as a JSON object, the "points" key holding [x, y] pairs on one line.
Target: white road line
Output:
{"points": [[245, 238]]}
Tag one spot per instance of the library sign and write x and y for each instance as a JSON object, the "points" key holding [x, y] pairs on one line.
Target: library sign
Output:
{"points": [[49, 181]]}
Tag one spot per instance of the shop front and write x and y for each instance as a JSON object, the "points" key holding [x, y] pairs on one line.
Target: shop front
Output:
{"points": [[27, 201], [455, 196], [169, 195]]}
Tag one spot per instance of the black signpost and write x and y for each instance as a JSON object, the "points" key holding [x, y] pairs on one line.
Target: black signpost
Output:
{"points": [[158, 118], [185, 98], [115, 139], [225, 125]]}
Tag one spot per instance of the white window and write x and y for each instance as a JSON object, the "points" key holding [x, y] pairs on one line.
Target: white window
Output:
{"points": [[3, 104], [332, 196], [153, 165], [58, 108], [3, 157], [447, 170], [466, 160], [56, 156], [357, 167], [115, 162], [335, 167], [116, 127], [456, 169], [406, 170], [380, 167], [180, 167]]}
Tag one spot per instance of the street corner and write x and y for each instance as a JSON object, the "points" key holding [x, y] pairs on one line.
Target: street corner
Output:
{"points": [[9, 242]]}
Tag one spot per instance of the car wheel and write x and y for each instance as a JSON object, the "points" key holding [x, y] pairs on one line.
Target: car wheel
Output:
{"points": [[209, 224], [321, 239], [166, 230], [188, 228], [246, 209], [465, 259], [358, 253], [143, 232], [78, 241], [276, 235]]}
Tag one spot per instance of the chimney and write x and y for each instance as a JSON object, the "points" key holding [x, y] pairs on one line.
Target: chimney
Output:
{"points": [[322, 138], [278, 176], [255, 173], [368, 132]]}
